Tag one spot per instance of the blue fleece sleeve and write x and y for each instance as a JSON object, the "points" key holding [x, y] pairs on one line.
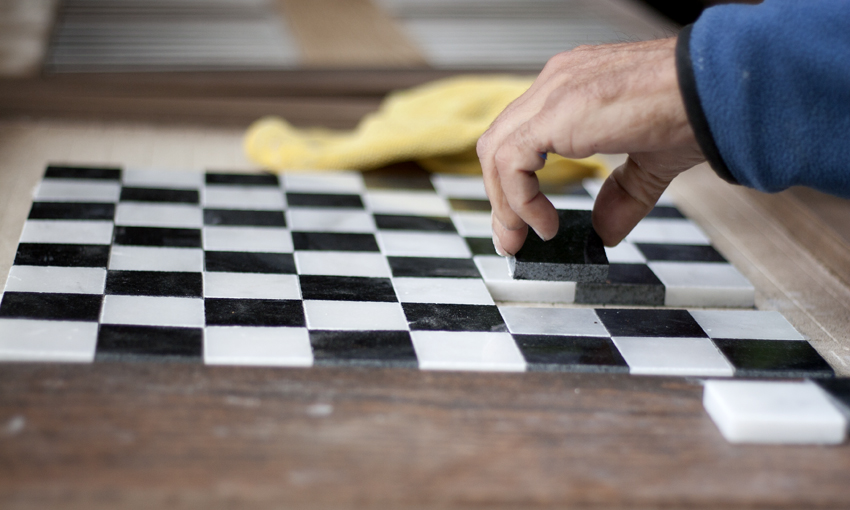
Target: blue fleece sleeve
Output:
{"points": [[773, 82]]}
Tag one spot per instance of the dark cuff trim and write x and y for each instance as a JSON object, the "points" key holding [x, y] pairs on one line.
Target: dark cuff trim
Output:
{"points": [[693, 107]]}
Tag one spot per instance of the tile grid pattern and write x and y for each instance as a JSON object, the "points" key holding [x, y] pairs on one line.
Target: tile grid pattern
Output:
{"points": [[328, 269]]}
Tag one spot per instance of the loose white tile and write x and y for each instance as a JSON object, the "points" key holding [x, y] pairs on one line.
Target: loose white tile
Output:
{"points": [[471, 291], [746, 324], [422, 244], [342, 263], [473, 224], [153, 311], [451, 350], [459, 186], [497, 278], [61, 280], [67, 232], [773, 412], [673, 356], [167, 179], [143, 258], [553, 321], [624, 253], [282, 347], [250, 239], [77, 190], [158, 215], [571, 202], [330, 182], [58, 341], [324, 220], [251, 286], [703, 284], [354, 316], [667, 230], [418, 203], [243, 197], [592, 186]]}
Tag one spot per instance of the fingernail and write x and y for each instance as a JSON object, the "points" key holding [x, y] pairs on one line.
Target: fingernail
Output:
{"points": [[498, 246], [544, 155], [539, 235]]}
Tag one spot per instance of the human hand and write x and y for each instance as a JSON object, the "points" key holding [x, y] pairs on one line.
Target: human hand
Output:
{"points": [[617, 98]]}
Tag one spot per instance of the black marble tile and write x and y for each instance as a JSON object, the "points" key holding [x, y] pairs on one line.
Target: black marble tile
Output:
{"points": [[64, 255], [426, 223], [650, 323], [154, 283], [401, 177], [151, 236], [346, 288], [247, 262], [559, 188], [322, 241], [363, 348], [627, 284], [481, 245], [234, 217], [839, 390], [546, 353], [149, 343], [253, 312], [445, 317], [181, 196], [238, 179], [324, 200], [428, 267], [680, 252], [665, 211], [774, 358], [81, 172], [61, 307], [71, 211], [575, 254], [470, 204]]}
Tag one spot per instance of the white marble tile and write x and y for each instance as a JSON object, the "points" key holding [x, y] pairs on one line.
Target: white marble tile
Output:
{"points": [[422, 244], [252, 198], [459, 186], [157, 178], [60, 280], [571, 202], [77, 190], [144, 258], [703, 284], [624, 253], [137, 214], [473, 224], [667, 230], [354, 316], [251, 286], [323, 182], [452, 350], [250, 239], [67, 232], [342, 263], [471, 291], [773, 412], [746, 324], [523, 320], [153, 311], [673, 356], [304, 219], [497, 278], [43, 341], [417, 203], [281, 347]]}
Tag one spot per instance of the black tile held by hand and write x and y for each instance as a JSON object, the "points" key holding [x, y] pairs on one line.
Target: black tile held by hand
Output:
{"points": [[773, 358], [575, 254], [149, 343], [650, 323], [71, 211], [470, 204], [154, 283], [481, 245], [239, 179], [246, 262], [839, 390], [324, 200], [64, 255], [347, 288], [81, 172], [627, 284], [680, 252], [424, 223], [152, 236], [234, 217], [60, 307], [665, 211], [427, 267], [320, 241], [445, 317], [545, 353], [363, 348], [181, 196], [253, 312]]}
